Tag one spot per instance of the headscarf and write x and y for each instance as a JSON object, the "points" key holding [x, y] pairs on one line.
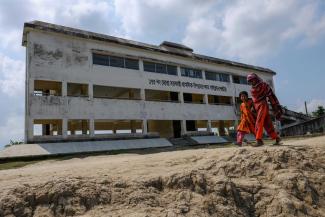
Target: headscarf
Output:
{"points": [[262, 91]]}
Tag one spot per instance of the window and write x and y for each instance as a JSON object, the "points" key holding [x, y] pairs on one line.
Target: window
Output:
{"points": [[99, 59], [149, 66], [224, 77], [159, 68], [131, 64], [115, 61], [192, 73], [171, 70], [214, 76], [239, 79]]}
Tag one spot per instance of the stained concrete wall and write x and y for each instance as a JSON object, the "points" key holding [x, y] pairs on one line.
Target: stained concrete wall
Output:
{"points": [[316, 125], [67, 59]]}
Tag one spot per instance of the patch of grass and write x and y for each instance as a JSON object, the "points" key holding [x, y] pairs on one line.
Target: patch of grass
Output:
{"points": [[15, 165]]}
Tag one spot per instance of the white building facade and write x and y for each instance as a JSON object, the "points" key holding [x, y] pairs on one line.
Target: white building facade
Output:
{"points": [[86, 85]]}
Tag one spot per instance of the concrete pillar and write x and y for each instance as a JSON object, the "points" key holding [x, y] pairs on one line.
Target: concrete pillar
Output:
{"points": [[92, 127], [90, 91], [209, 127], [30, 129], [179, 71], [144, 126], [142, 94], [64, 88], [133, 126], [222, 131], [183, 127], [65, 128], [181, 97], [205, 99], [203, 74], [84, 126], [141, 65]]}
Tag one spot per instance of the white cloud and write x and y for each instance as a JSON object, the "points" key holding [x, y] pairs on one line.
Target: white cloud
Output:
{"points": [[93, 15], [157, 20], [254, 29], [12, 128], [12, 79], [311, 105]]}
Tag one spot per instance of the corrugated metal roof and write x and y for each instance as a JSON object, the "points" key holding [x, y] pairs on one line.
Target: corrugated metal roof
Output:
{"points": [[165, 47]]}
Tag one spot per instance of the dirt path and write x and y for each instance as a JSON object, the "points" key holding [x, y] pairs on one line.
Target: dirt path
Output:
{"points": [[265, 181]]}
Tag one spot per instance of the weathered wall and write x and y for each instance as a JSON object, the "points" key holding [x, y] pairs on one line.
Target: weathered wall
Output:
{"points": [[61, 58], [312, 126]]}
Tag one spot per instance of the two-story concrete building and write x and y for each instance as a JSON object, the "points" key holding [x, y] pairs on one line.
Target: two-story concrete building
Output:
{"points": [[81, 84]]}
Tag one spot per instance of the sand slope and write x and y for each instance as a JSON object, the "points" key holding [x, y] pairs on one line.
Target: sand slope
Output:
{"points": [[265, 181]]}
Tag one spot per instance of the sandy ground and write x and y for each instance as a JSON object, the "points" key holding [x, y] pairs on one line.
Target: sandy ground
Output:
{"points": [[285, 180]]}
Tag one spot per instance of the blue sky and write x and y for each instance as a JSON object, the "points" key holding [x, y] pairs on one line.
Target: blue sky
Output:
{"points": [[285, 36]]}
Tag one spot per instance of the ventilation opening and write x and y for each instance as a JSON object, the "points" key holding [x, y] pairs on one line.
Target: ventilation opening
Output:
{"points": [[118, 126], [196, 125], [193, 98], [78, 127], [116, 92], [48, 127], [219, 100], [79, 90], [162, 96], [223, 127], [47, 88]]}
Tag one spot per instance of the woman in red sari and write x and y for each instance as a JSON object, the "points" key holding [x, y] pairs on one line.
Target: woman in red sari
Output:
{"points": [[261, 94]]}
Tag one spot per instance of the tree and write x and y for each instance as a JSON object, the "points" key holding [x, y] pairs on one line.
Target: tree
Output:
{"points": [[320, 111]]}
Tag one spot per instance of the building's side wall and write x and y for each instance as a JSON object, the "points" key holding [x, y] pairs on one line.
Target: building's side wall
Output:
{"points": [[69, 60]]}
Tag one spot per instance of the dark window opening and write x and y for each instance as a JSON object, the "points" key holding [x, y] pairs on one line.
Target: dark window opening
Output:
{"points": [[115, 61], [192, 73], [239, 79], [193, 98], [131, 64], [100, 59], [214, 76], [74, 89], [172, 70], [47, 88], [159, 68], [219, 100], [162, 96], [149, 66]]}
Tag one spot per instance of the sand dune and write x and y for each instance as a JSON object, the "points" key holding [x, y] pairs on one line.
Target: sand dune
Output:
{"points": [[285, 180]]}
